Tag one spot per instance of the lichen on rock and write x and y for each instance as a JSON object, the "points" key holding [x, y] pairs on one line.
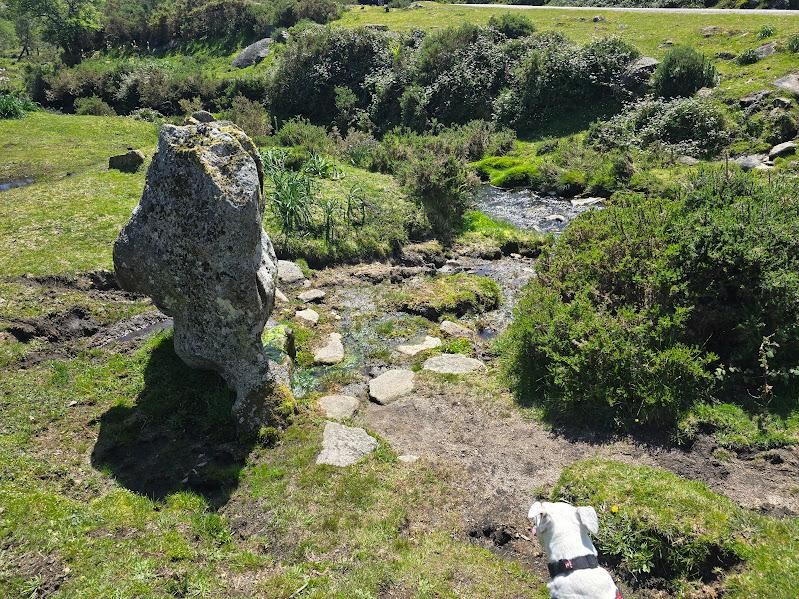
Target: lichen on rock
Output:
{"points": [[195, 244]]}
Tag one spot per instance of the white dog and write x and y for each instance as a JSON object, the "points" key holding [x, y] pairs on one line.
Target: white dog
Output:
{"points": [[563, 531]]}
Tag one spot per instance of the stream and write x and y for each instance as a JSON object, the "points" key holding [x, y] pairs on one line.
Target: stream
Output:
{"points": [[530, 210]]}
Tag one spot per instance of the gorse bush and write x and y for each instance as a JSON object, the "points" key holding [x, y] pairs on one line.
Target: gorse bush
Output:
{"points": [[650, 306], [440, 184], [251, 116], [682, 73]]}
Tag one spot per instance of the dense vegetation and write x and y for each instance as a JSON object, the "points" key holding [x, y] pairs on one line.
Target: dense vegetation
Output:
{"points": [[653, 305]]}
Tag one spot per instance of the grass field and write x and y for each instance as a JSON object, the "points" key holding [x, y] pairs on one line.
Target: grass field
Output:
{"points": [[649, 32]]}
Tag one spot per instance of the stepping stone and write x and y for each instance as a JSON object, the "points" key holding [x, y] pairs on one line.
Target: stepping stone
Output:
{"points": [[789, 147], [344, 445], [391, 385], [408, 458], [280, 296], [338, 407], [452, 364], [312, 295], [307, 317], [578, 202], [330, 353], [428, 343], [453, 329], [289, 272]]}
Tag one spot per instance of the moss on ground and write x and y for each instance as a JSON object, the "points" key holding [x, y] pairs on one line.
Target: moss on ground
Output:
{"points": [[653, 521], [459, 294]]}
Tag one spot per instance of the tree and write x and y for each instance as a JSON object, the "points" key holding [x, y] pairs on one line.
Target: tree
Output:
{"points": [[67, 24]]}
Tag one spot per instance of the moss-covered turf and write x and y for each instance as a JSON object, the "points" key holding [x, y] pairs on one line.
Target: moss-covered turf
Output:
{"points": [[457, 294], [654, 521], [651, 33]]}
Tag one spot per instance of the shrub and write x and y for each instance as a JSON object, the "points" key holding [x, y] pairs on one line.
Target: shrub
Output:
{"points": [[300, 132], [793, 43], [251, 116], [692, 126], [319, 60], [779, 126], [14, 107], [94, 106], [512, 25], [440, 185], [645, 308], [746, 57], [683, 72], [146, 114], [357, 147], [766, 31]]}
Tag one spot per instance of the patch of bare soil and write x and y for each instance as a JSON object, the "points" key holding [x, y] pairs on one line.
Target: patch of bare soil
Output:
{"points": [[66, 330], [46, 572]]}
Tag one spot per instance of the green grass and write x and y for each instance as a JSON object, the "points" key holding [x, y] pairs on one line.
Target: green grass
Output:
{"points": [[735, 428], [652, 520], [646, 31], [287, 523], [67, 221]]}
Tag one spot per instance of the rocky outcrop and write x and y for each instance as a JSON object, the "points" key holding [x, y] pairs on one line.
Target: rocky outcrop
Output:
{"points": [[783, 149], [252, 54], [129, 162], [196, 246]]}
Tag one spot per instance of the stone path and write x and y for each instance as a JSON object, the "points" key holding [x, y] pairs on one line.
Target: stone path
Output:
{"points": [[391, 385], [330, 353], [452, 364]]}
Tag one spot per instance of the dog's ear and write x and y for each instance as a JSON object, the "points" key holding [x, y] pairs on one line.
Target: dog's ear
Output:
{"points": [[588, 518], [535, 510]]}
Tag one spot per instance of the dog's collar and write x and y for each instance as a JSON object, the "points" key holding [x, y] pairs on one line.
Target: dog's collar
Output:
{"points": [[564, 566]]}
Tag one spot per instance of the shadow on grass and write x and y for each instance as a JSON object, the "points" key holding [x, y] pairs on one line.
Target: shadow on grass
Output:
{"points": [[179, 435]]}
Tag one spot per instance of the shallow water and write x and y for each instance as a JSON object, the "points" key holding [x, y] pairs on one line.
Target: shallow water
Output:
{"points": [[527, 209], [16, 183]]}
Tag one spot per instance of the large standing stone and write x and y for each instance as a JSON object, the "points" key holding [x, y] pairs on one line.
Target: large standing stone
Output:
{"points": [[344, 445], [391, 385], [452, 364], [196, 246]]}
